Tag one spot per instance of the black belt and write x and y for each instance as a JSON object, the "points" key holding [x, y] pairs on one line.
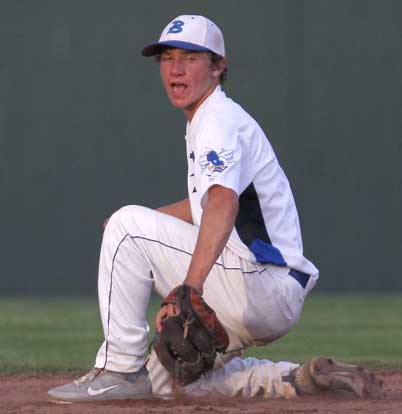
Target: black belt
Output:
{"points": [[301, 277]]}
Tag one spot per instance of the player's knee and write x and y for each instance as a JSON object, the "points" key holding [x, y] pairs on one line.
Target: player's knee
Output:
{"points": [[128, 216], [132, 210]]}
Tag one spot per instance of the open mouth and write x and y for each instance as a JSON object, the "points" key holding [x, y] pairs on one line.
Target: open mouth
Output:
{"points": [[178, 88]]}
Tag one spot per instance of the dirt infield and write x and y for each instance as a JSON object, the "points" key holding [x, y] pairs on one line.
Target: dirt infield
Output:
{"points": [[27, 395]]}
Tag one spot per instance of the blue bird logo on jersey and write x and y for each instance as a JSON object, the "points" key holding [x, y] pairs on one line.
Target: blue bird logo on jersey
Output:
{"points": [[214, 162]]}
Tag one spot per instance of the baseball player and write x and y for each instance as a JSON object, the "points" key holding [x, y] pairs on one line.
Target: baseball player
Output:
{"points": [[235, 240]]}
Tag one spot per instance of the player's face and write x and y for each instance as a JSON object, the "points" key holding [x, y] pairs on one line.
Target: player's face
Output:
{"points": [[188, 77]]}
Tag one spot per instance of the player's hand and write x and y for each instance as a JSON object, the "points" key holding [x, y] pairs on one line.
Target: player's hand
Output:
{"points": [[170, 309], [188, 343]]}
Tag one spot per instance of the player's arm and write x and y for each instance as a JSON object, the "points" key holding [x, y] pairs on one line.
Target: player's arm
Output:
{"points": [[217, 222], [180, 210]]}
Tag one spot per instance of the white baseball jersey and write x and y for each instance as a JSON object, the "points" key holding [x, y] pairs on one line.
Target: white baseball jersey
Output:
{"points": [[226, 146]]}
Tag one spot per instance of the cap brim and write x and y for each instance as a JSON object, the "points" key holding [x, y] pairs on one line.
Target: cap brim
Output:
{"points": [[157, 48]]}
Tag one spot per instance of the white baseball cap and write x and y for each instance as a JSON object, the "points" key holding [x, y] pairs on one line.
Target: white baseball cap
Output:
{"points": [[189, 32]]}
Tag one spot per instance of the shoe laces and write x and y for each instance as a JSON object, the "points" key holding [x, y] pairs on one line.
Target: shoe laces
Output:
{"points": [[88, 377]]}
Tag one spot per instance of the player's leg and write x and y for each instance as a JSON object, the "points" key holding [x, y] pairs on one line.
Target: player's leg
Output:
{"points": [[241, 377], [251, 377], [137, 248], [140, 247], [247, 378]]}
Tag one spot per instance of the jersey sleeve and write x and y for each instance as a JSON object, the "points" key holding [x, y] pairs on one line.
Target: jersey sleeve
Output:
{"points": [[221, 159]]}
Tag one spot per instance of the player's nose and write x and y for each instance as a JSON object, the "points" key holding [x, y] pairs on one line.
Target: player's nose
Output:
{"points": [[177, 67]]}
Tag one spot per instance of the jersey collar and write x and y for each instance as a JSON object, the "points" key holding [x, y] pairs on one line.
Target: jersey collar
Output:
{"points": [[214, 95]]}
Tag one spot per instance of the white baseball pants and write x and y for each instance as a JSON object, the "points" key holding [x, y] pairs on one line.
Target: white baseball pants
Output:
{"points": [[257, 304]]}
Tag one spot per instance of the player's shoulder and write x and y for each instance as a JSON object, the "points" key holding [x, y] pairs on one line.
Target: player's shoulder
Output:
{"points": [[222, 112]]}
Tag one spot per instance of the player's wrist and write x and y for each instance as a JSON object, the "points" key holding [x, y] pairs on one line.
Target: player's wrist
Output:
{"points": [[196, 285]]}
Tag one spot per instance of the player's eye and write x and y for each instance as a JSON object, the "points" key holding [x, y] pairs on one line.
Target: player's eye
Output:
{"points": [[166, 58], [191, 58]]}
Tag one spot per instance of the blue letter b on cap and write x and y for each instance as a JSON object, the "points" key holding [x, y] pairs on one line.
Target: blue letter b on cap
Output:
{"points": [[176, 26]]}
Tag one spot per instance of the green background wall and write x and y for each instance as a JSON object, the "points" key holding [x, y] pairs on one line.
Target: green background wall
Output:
{"points": [[85, 128]]}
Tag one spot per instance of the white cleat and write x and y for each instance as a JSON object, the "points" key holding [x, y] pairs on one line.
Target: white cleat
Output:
{"points": [[102, 385]]}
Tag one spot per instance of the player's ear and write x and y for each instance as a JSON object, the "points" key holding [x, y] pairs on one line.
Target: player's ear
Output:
{"points": [[218, 67]]}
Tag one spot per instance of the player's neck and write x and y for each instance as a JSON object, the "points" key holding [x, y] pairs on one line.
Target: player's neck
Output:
{"points": [[190, 111]]}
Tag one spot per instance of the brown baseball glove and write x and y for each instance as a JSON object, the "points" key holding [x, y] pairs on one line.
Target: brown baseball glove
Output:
{"points": [[189, 341]]}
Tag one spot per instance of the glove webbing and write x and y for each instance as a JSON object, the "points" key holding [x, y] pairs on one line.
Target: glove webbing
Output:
{"points": [[190, 319]]}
